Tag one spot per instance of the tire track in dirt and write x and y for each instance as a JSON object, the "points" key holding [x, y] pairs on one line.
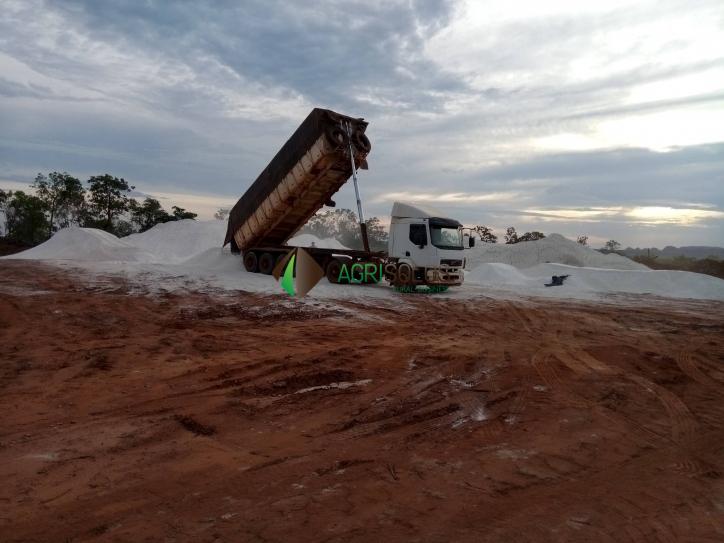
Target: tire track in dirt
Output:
{"points": [[519, 316], [687, 362], [543, 363], [684, 426], [583, 365]]}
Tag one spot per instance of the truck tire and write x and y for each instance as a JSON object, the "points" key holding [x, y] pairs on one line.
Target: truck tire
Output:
{"points": [[405, 276], [361, 142], [334, 266], [251, 262], [336, 136], [266, 263]]}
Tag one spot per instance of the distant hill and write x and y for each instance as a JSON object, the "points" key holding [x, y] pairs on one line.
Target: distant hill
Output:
{"points": [[693, 251]]}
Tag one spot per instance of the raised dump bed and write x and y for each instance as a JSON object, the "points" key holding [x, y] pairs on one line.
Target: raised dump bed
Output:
{"points": [[309, 168]]}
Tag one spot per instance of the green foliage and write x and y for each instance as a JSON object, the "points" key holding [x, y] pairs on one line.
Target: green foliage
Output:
{"points": [[63, 198], [60, 201], [179, 214], [108, 199], [376, 234], [123, 228], [25, 218], [531, 236], [222, 214], [708, 266], [612, 245], [485, 234], [342, 225], [148, 214], [512, 237]]}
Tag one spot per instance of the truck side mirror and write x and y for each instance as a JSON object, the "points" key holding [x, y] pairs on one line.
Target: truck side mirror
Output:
{"points": [[471, 242]]}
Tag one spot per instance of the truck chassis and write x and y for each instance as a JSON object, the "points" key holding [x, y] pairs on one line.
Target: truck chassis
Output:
{"points": [[264, 259]]}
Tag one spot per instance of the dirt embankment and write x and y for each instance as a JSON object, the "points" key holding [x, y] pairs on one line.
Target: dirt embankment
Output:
{"points": [[192, 418]]}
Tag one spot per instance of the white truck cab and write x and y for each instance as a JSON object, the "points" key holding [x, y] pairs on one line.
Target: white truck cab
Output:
{"points": [[425, 247]]}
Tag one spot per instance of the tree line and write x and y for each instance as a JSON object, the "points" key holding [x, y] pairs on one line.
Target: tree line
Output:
{"points": [[59, 200], [511, 235], [343, 225]]}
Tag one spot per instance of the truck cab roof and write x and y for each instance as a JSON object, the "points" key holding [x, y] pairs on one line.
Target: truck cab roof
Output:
{"points": [[411, 210]]}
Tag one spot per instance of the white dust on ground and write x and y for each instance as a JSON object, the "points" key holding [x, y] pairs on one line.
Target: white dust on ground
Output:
{"points": [[188, 255]]}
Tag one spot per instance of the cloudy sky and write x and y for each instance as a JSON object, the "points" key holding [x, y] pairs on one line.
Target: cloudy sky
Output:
{"points": [[578, 117]]}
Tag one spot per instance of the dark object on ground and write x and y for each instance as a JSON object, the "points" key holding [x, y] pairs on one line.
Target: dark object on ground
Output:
{"points": [[557, 280]]}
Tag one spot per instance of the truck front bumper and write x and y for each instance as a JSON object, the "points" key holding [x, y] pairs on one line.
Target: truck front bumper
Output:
{"points": [[444, 275]]}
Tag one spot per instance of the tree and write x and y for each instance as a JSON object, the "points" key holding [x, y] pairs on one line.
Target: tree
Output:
{"points": [[511, 236], [63, 197], [108, 199], [582, 240], [343, 225], [612, 245], [222, 214], [376, 234], [531, 236], [4, 197], [25, 218], [148, 214], [485, 234], [179, 214]]}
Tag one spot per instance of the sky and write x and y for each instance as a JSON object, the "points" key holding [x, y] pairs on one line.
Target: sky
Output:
{"points": [[579, 117]]}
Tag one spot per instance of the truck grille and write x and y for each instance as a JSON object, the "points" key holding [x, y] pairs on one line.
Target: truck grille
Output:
{"points": [[451, 263]]}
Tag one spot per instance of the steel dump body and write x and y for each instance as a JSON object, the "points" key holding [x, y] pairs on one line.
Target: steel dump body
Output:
{"points": [[309, 168]]}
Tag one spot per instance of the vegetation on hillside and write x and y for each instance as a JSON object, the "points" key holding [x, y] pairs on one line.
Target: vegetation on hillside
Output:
{"points": [[59, 200], [708, 266]]}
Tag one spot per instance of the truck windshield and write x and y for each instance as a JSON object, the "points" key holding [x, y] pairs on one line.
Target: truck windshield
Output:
{"points": [[445, 237]]}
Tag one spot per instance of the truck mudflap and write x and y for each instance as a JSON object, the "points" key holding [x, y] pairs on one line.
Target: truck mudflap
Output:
{"points": [[444, 275]]}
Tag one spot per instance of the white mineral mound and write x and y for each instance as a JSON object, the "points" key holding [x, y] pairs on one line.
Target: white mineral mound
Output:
{"points": [[85, 244], [552, 249], [585, 281], [176, 241]]}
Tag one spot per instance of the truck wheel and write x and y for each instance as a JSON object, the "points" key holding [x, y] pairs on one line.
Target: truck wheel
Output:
{"points": [[266, 263], [251, 262], [336, 136], [405, 276], [361, 142], [334, 266]]}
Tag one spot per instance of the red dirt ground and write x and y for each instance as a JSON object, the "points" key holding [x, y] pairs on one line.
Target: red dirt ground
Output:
{"points": [[191, 417]]}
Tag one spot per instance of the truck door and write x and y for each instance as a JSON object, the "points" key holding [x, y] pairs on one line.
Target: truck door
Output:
{"points": [[422, 253]]}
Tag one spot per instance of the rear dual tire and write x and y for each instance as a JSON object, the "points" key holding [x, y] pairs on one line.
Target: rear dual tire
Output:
{"points": [[267, 261], [334, 267], [253, 263]]}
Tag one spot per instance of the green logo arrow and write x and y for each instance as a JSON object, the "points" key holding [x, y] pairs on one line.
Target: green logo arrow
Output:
{"points": [[288, 279]]}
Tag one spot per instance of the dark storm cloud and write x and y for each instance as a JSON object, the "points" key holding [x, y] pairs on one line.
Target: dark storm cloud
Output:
{"points": [[329, 52]]}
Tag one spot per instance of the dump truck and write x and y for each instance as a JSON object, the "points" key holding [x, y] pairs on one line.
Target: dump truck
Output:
{"points": [[425, 247]]}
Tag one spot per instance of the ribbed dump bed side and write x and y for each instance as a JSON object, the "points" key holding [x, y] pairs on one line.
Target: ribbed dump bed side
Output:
{"points": [[309, 168]]}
